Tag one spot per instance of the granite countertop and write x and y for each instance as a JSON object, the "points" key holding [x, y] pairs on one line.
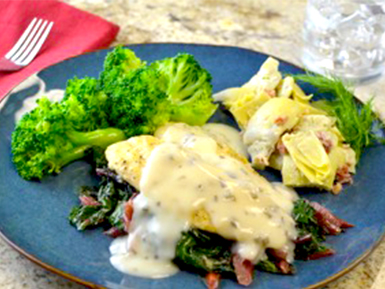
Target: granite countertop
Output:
{"points": [[270, 26]]}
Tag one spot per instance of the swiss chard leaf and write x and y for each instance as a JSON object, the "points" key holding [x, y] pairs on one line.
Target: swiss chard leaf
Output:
{"points": [[268, 266], [306, 223], [111, 195], [116, 218], [204, 252], [87, 216]]}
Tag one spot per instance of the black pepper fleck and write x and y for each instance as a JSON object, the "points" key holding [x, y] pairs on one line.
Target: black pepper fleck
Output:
{"points": [[231, 175], [229, 196], [234, 224], [145, 210], [267, 214], [254, 195]]}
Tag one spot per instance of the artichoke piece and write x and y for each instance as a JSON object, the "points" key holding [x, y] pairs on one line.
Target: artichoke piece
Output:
{"points": [[267, 125], [309, 156]]}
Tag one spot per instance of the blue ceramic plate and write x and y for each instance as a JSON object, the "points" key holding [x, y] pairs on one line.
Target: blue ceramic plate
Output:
{"points": [[33, 215]]}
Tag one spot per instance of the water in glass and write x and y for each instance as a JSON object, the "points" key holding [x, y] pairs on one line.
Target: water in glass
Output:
{"points": [[345, 38]]}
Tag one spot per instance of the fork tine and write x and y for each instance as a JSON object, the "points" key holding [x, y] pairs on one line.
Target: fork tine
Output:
{"points": [[27, 41], [37, 47], [32, 43], [21, 40]]}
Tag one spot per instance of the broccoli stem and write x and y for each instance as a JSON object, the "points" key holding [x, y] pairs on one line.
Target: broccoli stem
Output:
{"points": [[72, 155], [85, 140], [100, 137]]}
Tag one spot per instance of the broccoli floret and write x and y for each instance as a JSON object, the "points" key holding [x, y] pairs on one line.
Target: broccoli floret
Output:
{"points": [[139, 105], [45, 140], [142, 98], [188, 88], [117, 65], [84, 104]]}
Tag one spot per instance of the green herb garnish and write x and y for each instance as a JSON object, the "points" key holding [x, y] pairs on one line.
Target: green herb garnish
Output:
{"points": [[354, 120]]}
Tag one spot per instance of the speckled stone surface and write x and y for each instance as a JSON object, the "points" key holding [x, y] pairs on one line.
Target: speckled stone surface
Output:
{"points": [[270, 26]]}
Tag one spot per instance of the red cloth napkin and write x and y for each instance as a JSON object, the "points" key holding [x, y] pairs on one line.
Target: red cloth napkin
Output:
{"points": [[74, 32]]}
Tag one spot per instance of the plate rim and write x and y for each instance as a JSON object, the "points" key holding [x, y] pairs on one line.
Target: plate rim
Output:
{"points": [[89, 284]]}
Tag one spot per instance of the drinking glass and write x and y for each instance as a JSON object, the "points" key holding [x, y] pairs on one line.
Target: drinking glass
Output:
{"points": [[345, 38]]}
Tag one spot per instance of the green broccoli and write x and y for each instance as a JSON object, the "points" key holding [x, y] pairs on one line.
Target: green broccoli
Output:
{"points": [[188, 88], [139, 105], [44, 140], [142, 98], [84, 104], [133, 97], [117, 65]]}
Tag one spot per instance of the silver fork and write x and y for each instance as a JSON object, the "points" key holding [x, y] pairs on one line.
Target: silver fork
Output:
{"points": [[27, 47]]}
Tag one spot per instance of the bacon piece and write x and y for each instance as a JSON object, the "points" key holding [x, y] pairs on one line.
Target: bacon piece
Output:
{"points": [[212, 280], [343, 224], [280, 261], [281, 147], [318, 255], [114, 232], [325, 140], [128, 212], [88, 201], [271, 92], [281, 120], [330, 223], [243, 270], [343, 175], [277, 254], [284, 266]]}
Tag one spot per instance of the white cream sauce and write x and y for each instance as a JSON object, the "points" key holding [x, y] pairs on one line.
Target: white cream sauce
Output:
{"points": [[30, 102], [150, 246], [183, 177], [228, 135]]}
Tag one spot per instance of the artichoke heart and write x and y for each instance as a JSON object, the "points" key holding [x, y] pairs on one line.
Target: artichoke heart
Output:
{"points": [[267, 125], [246, 106], [315, 123], [286, 87], [268, 76], [291, 175], [309, 156], [299, 95]]}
